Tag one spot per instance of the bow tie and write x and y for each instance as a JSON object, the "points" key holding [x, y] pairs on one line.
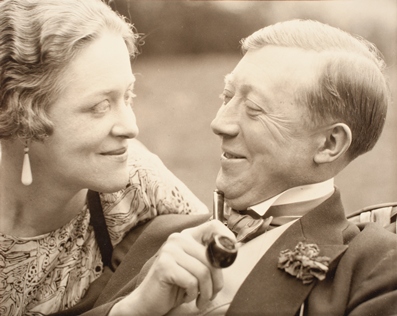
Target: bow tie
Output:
{"points": [[248, 224]]}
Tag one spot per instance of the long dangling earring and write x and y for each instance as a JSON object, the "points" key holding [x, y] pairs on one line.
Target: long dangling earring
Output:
{"points": [[26, 177]]}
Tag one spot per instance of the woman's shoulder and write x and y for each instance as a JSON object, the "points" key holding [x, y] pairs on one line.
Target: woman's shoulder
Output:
{"points": [[152, 190], [149, 171]]}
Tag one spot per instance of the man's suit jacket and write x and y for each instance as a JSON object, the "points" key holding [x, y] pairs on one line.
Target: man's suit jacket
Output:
{"points": [[362, 276]]}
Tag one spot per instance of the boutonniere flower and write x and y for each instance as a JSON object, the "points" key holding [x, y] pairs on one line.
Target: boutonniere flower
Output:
{"points": [[304, 262]]}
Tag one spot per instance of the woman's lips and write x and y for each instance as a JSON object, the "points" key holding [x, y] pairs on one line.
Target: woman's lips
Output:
{"points": [[115, 152]]}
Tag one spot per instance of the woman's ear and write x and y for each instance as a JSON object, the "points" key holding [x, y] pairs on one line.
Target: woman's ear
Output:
{"points": [[336, 140]]}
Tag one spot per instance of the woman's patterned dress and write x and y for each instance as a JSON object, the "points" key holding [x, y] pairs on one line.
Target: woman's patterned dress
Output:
{"points": [[48, 273]]}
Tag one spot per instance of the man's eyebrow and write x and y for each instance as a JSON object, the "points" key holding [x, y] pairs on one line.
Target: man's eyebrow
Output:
{"points": [[228, 78], [132, 83], [244, 88]]}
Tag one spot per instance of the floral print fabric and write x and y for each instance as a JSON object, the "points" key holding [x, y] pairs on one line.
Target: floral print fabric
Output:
{"points": [[51, 272]]}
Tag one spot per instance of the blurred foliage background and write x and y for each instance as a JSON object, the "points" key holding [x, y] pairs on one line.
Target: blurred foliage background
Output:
{"points": [[188, 47]]}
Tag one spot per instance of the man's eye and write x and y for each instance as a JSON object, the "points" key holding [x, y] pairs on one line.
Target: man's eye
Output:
{"points": [[226, 96], [129, 98], [101, 107], [253, 109]]}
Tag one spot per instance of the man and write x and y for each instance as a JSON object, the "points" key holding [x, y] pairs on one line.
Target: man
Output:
{"points": [[305, 100]]}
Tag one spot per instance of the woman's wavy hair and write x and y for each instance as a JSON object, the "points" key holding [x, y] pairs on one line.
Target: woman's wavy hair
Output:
{"points": [[351, 86], [38, 39]]}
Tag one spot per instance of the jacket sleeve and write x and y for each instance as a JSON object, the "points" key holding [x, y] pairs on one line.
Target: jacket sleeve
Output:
{"points": [[377, 295], [374, 286], [129, 259]]}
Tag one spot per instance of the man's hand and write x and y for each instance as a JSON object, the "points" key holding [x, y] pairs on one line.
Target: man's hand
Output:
{"points": [[180, 273]]}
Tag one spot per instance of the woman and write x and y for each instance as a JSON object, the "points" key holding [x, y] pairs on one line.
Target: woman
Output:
{"points": [[66, 125]]}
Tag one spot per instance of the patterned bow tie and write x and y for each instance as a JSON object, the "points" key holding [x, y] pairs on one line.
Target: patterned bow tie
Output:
{"points": [[247, 224]]}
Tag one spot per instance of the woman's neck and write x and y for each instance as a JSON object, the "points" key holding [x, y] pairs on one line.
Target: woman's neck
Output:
{"points": [[43, 206], [28, 214]]}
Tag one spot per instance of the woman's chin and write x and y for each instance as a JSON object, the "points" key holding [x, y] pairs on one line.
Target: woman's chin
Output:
{"points": [[112, 184]]}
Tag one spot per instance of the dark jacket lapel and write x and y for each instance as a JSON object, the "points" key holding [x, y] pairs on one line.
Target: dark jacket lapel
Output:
{"points": [[271, 291]]}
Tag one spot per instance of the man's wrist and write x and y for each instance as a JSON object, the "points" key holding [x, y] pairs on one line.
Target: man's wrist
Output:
{"points": [[127, 305], [131, 305], [118, 309]]}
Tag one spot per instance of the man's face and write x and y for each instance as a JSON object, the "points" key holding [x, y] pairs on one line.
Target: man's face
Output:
{"points": [[267, 147]]}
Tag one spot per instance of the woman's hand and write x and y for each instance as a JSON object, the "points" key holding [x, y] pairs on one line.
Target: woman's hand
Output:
{"points": [[180, 273]]}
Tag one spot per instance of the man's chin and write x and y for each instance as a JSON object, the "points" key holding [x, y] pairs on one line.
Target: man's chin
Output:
{"points": [[223, 184], [237, 202]]}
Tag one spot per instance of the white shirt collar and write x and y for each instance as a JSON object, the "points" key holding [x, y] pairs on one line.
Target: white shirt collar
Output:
{"points": [[297, 194]]}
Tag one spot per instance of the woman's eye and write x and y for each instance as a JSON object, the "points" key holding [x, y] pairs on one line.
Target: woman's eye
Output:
{"points": [[129, 98], [226, 96], [101, 107]]}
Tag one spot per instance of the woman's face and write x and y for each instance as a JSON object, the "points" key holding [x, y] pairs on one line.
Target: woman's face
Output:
{"points": [[93, 121]]}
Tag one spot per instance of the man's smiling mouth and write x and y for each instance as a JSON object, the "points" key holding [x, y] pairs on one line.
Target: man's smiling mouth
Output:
{"points": [[228, 155]]}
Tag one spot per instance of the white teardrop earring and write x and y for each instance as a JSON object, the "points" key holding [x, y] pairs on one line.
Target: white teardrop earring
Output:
{"points": [[26, 177]]}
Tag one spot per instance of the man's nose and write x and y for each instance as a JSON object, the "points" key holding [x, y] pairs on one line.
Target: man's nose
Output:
{"points": [[126, 123], [226, 121]]}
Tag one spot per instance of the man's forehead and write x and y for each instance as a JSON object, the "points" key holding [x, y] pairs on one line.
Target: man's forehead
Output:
{"points": [[279, 57], [274, 63]]}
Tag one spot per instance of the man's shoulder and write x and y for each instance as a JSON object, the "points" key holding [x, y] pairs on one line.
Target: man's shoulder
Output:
{"points": [[376, 232], [373, 241]]}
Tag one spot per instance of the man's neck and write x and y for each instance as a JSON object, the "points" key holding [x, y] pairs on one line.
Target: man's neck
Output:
{"points": [[306, 196]]}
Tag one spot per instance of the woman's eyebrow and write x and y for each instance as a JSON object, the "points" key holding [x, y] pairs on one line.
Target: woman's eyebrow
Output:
{"points": [[109, 91]]}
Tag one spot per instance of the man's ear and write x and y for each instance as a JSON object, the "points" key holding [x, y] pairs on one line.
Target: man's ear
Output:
{"points": [[336, 140]]}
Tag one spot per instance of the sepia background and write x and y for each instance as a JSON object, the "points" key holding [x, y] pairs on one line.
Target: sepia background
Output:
{"points": [[188, 47]]}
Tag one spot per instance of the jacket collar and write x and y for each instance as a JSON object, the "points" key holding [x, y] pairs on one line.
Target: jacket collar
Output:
{"points": [[300, 194], [266, 286]]}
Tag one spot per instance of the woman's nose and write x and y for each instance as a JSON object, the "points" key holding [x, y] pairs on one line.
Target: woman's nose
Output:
{"points": [[126, 123]]}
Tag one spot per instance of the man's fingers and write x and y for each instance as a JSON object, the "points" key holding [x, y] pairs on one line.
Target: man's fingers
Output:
{"points": [[191, 257], [183, 269], [171, 274]]}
